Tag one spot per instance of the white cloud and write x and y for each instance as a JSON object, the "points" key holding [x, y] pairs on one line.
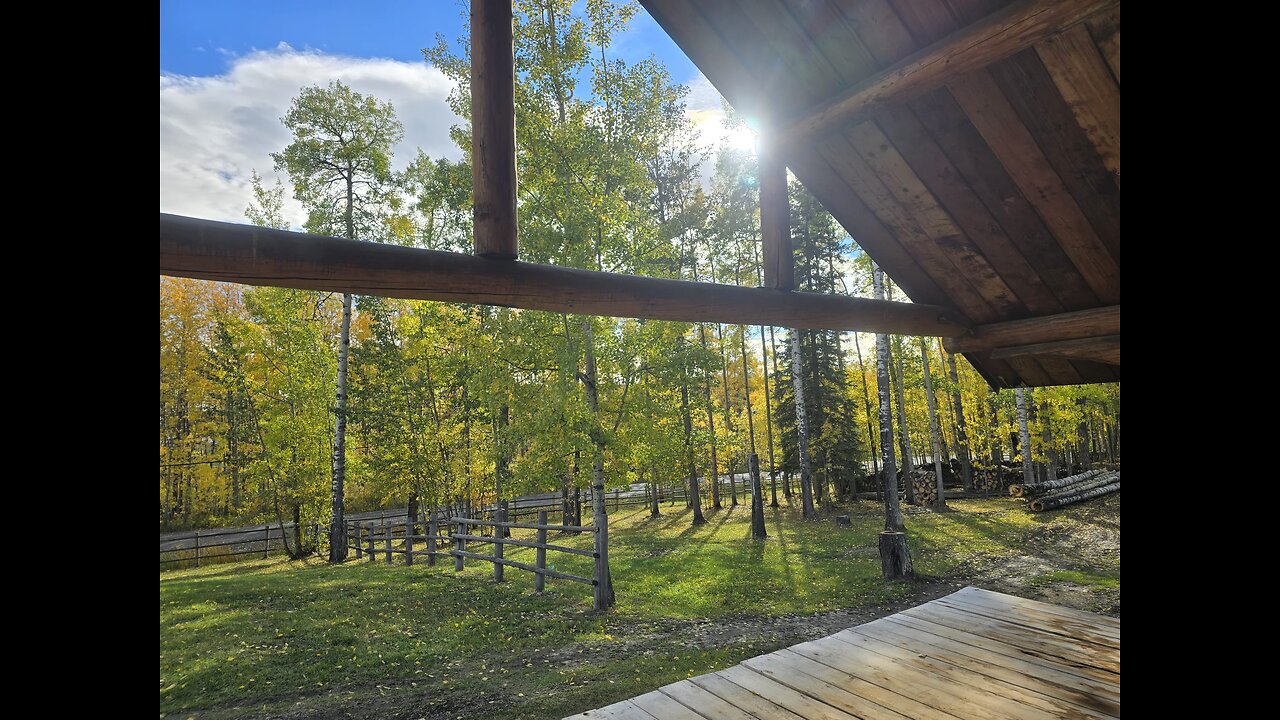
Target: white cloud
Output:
{"points": [[214, 131]]}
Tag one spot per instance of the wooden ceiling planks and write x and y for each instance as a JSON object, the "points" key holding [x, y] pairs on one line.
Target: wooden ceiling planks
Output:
{"points": [[997, 194]]}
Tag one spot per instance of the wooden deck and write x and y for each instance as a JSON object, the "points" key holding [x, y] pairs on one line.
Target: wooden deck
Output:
{"points": [[971, 654]]}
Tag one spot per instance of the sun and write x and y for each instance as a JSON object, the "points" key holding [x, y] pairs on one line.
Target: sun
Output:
{"points": [[741, 138]]}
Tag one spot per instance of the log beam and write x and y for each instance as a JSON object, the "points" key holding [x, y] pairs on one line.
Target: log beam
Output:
{"points": [[775, 220], [230, 252], [1093, 323], [493, 129], [986, 41], [1104, 349]]}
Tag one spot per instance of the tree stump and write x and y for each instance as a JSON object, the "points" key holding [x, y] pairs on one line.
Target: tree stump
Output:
{"points": [[895, 557], [843, 521]]}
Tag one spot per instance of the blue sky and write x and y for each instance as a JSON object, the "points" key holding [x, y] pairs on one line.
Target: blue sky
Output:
{"points": [[229, 68], [200, 38]]}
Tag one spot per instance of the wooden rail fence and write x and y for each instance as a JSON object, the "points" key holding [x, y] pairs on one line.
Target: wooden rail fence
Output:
{"points": [[403, 538]]}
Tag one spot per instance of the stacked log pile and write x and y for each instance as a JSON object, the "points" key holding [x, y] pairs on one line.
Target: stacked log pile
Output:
{"points": [[1069, 490], [926, 486], [994, 479]]}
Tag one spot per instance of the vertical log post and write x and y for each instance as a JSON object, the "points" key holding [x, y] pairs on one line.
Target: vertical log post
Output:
{"points": [[266, 540], [431, 540], [775, 220], [197, 548], [409, 531], [540, 580], [459, 545], [498, 532], [372, 550], [603, 596], [359, 538], [387, 532], [493, 129]]}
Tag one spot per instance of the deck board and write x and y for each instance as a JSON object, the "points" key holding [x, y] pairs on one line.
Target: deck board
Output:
{"points": [[971, 654]]}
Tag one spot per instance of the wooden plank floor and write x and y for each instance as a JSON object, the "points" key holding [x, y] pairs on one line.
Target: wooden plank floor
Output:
{"points": [[971, 654]]}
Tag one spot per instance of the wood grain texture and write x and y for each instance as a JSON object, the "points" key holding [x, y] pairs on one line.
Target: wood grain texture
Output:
{"points": [[1103, 349], [493, 130], [1097, 322], [1020, 154], [997, 36], [775, 221], [969, 655], [259, 256], [1085, 82]]}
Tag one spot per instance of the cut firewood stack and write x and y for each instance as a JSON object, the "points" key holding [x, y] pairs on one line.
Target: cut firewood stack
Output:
{"points": [[993, 479], [925, 483], [1068, 490]]}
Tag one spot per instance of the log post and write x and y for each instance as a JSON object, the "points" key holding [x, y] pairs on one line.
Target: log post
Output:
{"points": [[359, 539], [459, 545], [197, 548], [775, 220], [498, 532], [603, 596], [493, 129], [409, 531], [431, 539], [387, 532], [372, 550], [540, 580]]}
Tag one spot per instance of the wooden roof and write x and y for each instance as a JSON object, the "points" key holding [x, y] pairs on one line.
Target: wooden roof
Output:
{"points": [[971, 147]]}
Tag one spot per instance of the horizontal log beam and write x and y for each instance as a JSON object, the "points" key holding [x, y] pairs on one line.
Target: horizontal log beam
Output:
{"points": [[230, 252], [1104, 349], [986, 41], [1097, 322]]}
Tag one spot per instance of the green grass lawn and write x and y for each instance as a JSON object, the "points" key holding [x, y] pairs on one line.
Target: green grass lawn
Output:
{"points": [[305, 639]]}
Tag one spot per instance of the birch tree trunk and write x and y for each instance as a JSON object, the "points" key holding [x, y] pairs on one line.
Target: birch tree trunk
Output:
{"points": [[753, 460], [768, 420], [338, 525], [802, 430], [866, 401], [962, 433], [599, 515], [1046, 438], [1024, 436], [934, 431], [692, 499], [786, 478], [728, 417], [711, 429], [895, 557], [904, 439]]}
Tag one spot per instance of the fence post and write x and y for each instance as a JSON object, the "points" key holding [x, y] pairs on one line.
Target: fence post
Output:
{"points": [[498, 532], [387, 529], [459, 545], [408, 540], [373, 551], [540, 580], [431, 539], [266, 540], [197, 548], [603, 596], [359, 537]]}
